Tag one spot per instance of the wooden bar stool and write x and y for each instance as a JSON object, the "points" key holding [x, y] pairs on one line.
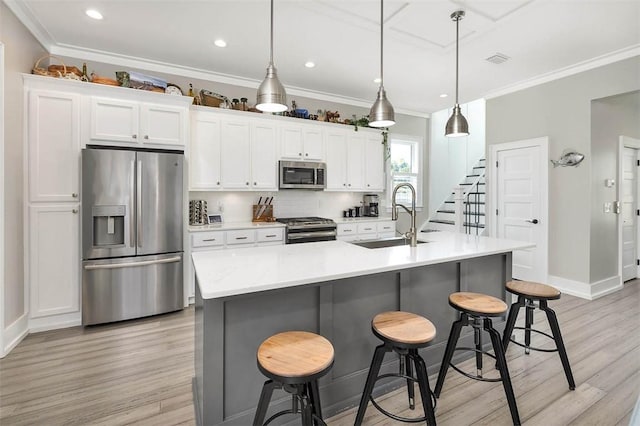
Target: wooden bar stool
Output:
{"points": [[403, 333], [528, 293], [294, 361], [476, 310]]}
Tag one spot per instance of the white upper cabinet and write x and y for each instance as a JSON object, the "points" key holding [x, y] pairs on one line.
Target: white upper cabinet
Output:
{"points": [[126, 121], [54, 146], [302, 142], [162, 124], [264, 161], [355, 160], [336, 160], [235, 166], [204, 161], [232, 153], [374, 173]]}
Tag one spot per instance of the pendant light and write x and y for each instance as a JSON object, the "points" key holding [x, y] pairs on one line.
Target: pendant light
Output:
{"points": [[271, 94], [381, 114], [457, 124]]}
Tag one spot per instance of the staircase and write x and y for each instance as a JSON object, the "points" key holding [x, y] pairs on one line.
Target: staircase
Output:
{"points": [[471, 197]]}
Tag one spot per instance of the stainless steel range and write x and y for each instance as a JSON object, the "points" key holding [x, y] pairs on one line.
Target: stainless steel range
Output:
{"points": [[309, 229]]}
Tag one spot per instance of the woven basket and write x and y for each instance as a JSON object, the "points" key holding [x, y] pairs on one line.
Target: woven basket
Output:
{"points": [[55, 71]]}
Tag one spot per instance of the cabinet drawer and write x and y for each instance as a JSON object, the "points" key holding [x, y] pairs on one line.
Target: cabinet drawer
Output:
{"points": [[367, 228], [207, 239], [241, 236], [271, 234], [389, 226], [347, 229]]}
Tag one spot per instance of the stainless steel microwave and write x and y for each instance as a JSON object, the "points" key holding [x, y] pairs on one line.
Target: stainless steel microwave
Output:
{"points": [[302, 175]]}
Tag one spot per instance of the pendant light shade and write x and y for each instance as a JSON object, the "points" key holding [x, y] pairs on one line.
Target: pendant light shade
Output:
{"points": [[381, 114], [271, 94], [457, 124]]}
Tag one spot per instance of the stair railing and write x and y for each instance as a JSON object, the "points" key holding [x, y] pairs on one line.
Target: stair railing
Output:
{"points": [[467, 207]]}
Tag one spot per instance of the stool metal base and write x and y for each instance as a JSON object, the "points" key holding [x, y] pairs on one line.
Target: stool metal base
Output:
{"points": [[305, 400], [421, 378], [529, 305], [498, 350]]}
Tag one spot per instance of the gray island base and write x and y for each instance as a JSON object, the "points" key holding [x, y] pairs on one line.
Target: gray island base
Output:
{"points": [[228, 331]]}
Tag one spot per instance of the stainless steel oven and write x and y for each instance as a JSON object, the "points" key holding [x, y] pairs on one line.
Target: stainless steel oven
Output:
{"points": [[309, 229], [302, 175]]}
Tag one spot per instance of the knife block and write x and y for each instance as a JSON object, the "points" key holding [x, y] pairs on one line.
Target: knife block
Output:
{"points": [[262, 213]]}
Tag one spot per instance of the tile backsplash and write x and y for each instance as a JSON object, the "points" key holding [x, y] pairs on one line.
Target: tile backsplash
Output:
{"points": [[236, 206]]}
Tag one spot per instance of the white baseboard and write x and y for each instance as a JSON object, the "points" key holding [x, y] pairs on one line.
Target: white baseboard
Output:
{"points": [[54, 322], [589, 291], [14, 334]]}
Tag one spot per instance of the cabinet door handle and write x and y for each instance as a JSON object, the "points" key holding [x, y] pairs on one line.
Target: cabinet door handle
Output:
{"points": [[306, 154], [344, 184], [255, 183], [209, 239], [146, 136], [241, 238], [74, 195], [300, 154], [247, 183], [368, 185], [217, 183], [271, 236], [349, 185], [347, 230], [134, 136], [74, 211], [368, 229]]}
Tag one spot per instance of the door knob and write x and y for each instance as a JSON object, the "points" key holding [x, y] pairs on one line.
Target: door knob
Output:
{"points": [[74, 195], [74, 211], [534, 221]]}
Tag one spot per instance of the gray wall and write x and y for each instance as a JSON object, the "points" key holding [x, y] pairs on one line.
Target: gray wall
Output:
{"points": [[561, 110], [21, 52], [610, 117]]}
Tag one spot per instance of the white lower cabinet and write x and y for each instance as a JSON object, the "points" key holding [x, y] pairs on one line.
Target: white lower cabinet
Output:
{"points": [[54, 259], [366, 230], [229, 239]]}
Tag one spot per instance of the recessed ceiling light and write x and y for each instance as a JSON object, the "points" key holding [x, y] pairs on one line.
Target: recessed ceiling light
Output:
{"points": [[92, 13], [377, 80], [220, 43], [309, 64], [444, 95]]}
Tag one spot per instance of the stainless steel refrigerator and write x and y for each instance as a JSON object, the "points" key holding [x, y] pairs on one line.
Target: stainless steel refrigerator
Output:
{"points": [[132, 218]]}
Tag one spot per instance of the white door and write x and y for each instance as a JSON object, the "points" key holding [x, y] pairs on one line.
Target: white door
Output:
{"points": [[204, 158], [162, 125], [291, 142], [628, 198], [336, 160], [374, 163], [235, 166], [115, 120], [521, 200], [313, 143], [355, 162]]}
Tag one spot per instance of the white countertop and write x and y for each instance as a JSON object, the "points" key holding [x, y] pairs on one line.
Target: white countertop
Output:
{"points": [[234, 225], [241, 271], [340, 220]]}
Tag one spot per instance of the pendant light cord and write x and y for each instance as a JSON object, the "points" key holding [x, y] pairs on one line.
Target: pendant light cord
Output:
{"points": [[271, 45], [381, 43], [457, 43]]}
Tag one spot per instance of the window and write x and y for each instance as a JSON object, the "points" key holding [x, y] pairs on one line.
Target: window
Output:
{"points": [[406, 167]]}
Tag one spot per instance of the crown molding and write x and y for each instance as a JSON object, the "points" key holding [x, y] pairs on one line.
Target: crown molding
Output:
{"points": [[201, 74], [599, 61], [28, 19]]}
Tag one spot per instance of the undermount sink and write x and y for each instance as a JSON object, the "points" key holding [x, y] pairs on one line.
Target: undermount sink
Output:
{"points": [[387, 242]]}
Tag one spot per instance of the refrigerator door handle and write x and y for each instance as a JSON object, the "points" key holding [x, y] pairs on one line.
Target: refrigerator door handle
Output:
{"points": [[132, 228], [139, 202], [133, 264]]}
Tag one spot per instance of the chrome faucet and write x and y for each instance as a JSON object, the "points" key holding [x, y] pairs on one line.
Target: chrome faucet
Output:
{"points": [[394, 212]]}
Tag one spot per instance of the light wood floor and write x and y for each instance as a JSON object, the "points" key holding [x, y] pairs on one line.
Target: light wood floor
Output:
{"points": [[139, 372]]}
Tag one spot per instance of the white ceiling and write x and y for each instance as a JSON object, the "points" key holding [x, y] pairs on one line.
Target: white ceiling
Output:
{"points": [[541, 37]]}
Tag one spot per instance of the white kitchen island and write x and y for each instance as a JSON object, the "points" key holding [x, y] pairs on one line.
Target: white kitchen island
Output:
{"points": [[332, 288]]}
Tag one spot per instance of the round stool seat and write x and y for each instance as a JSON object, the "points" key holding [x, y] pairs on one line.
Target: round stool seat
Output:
{"points": [[403, 327], [477, 304], [533, 290], [295, 354]]}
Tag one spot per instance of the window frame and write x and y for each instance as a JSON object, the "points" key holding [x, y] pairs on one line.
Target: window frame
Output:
{"points": [[418, 144]]}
